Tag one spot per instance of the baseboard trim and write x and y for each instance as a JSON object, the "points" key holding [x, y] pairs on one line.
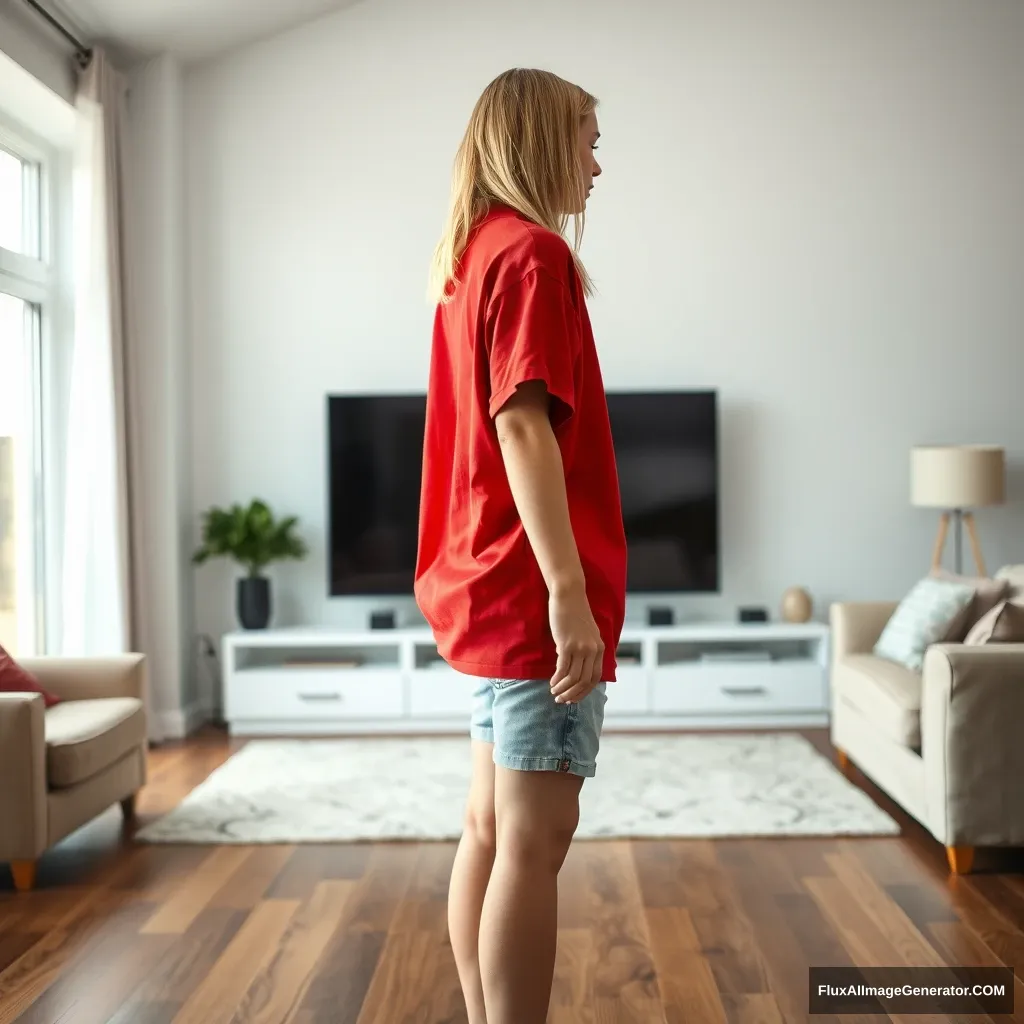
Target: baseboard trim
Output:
{"points": [[183, 722]]}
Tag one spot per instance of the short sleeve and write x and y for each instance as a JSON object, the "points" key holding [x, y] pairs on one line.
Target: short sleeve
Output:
{"points": [[533, 333]]}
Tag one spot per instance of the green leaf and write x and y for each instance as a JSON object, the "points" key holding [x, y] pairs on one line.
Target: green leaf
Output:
{"points": [[250, 535]]}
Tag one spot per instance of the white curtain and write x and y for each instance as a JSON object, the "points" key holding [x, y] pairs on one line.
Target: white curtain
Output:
{"points": [[97, 605]]}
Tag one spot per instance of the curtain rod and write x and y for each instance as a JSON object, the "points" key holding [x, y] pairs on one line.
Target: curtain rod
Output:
{"points": [[82, 52]]}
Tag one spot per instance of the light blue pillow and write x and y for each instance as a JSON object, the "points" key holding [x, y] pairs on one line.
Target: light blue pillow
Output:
{"points": [[922, 619]]}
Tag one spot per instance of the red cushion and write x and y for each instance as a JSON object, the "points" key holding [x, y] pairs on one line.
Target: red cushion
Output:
{"points": [[14, 679]]}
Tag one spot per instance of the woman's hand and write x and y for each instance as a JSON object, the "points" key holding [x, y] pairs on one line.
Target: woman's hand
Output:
{"points": [[578, 643]]}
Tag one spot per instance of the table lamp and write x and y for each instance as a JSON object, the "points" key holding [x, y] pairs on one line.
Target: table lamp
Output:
{"points": [[956, 479]]}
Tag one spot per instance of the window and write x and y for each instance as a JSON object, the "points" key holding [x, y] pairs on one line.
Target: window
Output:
{"points": [[25, 300]]}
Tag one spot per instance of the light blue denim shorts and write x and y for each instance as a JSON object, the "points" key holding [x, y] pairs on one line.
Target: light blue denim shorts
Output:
{"points": [[530, 732]]}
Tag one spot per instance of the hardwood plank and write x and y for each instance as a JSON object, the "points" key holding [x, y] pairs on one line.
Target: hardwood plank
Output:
{"points": [[989, 924], [686, 981], [754, 1008], [302, 871], [14, 944], [857, 930], [961, 947], [424, 906], [277, 990], [726, 938], [147, 1013], [218, 996], [180, 910], [245, 888], [39, 967], [910, 945], [821, 945], [624, 985], [571, 1001], [359, 942], [350, 860], [873, 935], [44, 910], [157, 872], [99, 977], [1000, 892], [184, 966], [573, 895], [383, 886], [921, 904], [342, 979], [659, 874], [413, 983], [781, 955]]}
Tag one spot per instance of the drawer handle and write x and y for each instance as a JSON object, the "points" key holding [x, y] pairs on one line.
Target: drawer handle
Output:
{"points": [[319, 696], [744, 691]]}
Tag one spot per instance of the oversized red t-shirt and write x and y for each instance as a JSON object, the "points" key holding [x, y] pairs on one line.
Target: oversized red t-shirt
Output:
{"points": [[517, 314]]}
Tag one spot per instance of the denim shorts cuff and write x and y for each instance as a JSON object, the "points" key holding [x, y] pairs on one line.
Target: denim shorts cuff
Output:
{"points": [[481, 733], [544, 764]]}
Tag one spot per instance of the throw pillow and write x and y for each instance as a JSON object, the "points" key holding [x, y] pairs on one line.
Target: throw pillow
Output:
{"points": [[14, 679], [1003, 624], [987, 594], [921, 619]]}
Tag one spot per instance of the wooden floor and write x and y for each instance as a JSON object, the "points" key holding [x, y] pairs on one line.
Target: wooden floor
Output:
{"points": [[694, 931]]}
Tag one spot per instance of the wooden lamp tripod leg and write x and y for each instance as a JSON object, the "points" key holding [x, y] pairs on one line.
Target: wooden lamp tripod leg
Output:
{"points": [[940, 541], [972, 534]]}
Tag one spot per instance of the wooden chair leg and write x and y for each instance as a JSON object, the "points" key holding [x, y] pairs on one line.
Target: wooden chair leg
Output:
{"points": [[24, 872], [961, 859], [843, 760]]}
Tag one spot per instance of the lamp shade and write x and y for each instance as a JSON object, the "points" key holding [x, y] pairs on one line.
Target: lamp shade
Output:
{"points": [[957, 476]]}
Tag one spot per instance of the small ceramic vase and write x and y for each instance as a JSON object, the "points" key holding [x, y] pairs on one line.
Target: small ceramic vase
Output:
{"points": [[796, 605]]}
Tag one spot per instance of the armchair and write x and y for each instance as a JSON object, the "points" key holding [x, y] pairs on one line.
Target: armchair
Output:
{"points": [[62, 766], [946, 742]]}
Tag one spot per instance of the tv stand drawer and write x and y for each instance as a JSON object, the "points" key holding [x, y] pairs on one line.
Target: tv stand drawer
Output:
{"points": [[737, 688], [300, 694]]}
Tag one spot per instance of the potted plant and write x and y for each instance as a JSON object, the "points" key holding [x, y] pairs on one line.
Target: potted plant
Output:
{"points": [[253, 538]]}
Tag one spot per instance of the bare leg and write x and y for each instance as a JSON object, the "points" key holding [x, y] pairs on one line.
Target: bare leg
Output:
{"points": [[470, 873], [536, 815]]}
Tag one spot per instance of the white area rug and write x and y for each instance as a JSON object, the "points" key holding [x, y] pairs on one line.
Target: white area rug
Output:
{"points": [[308, 791]]}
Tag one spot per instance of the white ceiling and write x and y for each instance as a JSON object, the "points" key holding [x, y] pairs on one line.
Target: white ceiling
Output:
{"points": [[190, 29]]}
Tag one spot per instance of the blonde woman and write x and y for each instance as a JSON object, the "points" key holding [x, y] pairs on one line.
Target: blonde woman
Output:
{"points": [[522, 554]]}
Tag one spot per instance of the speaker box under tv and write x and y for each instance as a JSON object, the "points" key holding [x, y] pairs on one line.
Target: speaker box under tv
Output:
{"points": [[753, 613], [660, 617], [666, 450]]}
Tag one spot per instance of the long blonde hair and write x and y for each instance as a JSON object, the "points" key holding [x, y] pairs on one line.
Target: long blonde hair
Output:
{"points": [[520, 149]]}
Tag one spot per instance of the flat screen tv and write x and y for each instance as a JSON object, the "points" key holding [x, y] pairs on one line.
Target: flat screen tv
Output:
{"points": [[666, 445]]}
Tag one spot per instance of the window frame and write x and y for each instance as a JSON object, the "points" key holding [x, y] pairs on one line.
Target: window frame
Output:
{"points": [[35, 279], [26, 276]]}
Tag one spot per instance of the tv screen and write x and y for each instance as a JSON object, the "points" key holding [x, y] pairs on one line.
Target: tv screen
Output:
{"points": [[666, 447]]}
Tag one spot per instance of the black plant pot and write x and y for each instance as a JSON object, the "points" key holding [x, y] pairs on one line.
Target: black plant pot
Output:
{"points": [[254, 602]]}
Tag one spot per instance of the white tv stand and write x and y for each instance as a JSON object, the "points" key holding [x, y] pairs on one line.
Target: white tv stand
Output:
{"points": [[696, 676]]}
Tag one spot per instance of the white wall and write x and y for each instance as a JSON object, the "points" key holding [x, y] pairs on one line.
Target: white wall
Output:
{"points": [[814, 207]]}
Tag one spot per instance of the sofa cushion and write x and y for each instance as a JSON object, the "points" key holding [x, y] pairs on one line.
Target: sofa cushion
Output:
{"points": [[885, 692], [1004, 624], [988, 592], [16, 679], [1014, 575], [85, 736], [921, 619]]}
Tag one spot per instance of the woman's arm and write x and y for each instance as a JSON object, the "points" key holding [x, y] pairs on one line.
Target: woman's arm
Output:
{"points": [[536, 476]]}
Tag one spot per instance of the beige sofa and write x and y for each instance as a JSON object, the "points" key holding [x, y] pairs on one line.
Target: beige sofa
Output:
{"points": [[62, 766], [947, 743]]}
